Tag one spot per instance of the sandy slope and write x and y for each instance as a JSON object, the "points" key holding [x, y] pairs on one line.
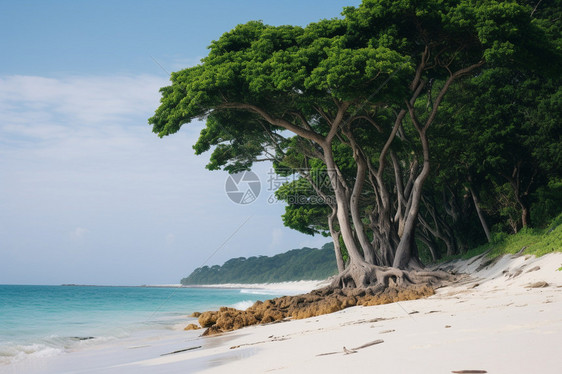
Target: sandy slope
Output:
{"points": [[491, 322]]}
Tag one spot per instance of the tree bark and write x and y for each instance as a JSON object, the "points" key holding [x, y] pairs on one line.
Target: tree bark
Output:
{"points": [[515, 181], [480, 214], [342, 209], [404, 252], [336, 239], [368, 250]]}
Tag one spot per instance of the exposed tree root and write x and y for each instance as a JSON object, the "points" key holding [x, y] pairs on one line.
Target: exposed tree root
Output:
{"points": [[363, 275]]}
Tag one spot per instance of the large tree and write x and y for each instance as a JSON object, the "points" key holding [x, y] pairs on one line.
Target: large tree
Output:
{"points": [[371, 84]]}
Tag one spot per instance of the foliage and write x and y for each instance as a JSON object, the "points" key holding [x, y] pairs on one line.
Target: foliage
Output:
{"points": [[536, 242], [297, 264], [548, 200], [433, 121], [507, 121]]}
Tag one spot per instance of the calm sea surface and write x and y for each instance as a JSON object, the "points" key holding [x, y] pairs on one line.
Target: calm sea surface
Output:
{"points": [[39, 321]]}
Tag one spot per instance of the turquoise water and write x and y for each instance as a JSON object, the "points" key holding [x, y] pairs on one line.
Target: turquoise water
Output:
{"points": [[36, 321]]}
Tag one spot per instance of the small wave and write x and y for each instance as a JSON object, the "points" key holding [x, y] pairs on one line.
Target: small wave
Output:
{"points": [[17, 352], [255, 292], [269, 292], [47, 347], [243, 305]]}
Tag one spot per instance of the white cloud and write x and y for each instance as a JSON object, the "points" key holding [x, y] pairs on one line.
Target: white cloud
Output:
{"points": [[88, 130], [82, 100]]}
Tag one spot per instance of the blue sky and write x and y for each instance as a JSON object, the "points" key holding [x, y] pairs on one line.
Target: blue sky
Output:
{"points": [[88, 194]]}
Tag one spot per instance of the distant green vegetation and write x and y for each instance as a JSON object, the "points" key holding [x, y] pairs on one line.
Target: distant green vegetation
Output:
{"points": [[536, 242], [297, 264]]}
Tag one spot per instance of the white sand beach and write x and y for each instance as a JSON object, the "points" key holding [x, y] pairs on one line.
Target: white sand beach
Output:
{"points": [[505, 318], [281, 288]]}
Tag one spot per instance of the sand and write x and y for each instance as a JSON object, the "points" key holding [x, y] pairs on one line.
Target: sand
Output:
{"points": [[505, 318], [281, 288]]}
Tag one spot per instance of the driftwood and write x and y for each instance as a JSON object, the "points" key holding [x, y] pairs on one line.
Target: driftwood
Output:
{"points": [[353, 350], [348, 351], [374, 342], [181, 350], [386, 331], [274, 339]]}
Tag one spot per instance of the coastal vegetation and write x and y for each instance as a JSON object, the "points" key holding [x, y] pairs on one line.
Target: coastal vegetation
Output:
{"points": [[529, 241], [412, 130], [294, 265], [317, 264]]}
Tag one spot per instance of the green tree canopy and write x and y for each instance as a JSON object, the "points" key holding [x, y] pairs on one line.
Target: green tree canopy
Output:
{"points": [[360, 95]]}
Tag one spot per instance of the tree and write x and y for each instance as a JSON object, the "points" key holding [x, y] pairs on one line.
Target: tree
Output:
{"points": [[358, 84], [511, 129]]}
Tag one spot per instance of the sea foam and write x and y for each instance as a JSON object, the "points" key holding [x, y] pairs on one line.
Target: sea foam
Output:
{"points": [[243, 305], [12, 353]]}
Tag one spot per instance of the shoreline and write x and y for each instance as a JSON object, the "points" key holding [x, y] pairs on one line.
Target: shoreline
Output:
{"points": [[291, 286], [501, 319], [504, 318]]}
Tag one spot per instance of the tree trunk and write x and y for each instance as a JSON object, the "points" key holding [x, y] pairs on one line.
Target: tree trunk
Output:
{"points": [[525, 216], [480, 214], [521, 196], [385, 238], [336, 239], [404, 251], [342, 207], [386, 248], [368, 250], [522, 202], [381, 223], [405, 255]]}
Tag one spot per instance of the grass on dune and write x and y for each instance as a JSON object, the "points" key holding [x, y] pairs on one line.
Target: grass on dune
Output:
{"points": [[536, 242]]}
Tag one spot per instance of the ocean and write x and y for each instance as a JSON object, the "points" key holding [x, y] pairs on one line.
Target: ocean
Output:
{"points": [[44, 321]]}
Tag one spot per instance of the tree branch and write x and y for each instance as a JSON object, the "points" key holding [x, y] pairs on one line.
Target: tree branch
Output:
{"points": [[368, 119], [280, 122], [445, 88], [342, 108], [389, 141], [420, 68]]}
